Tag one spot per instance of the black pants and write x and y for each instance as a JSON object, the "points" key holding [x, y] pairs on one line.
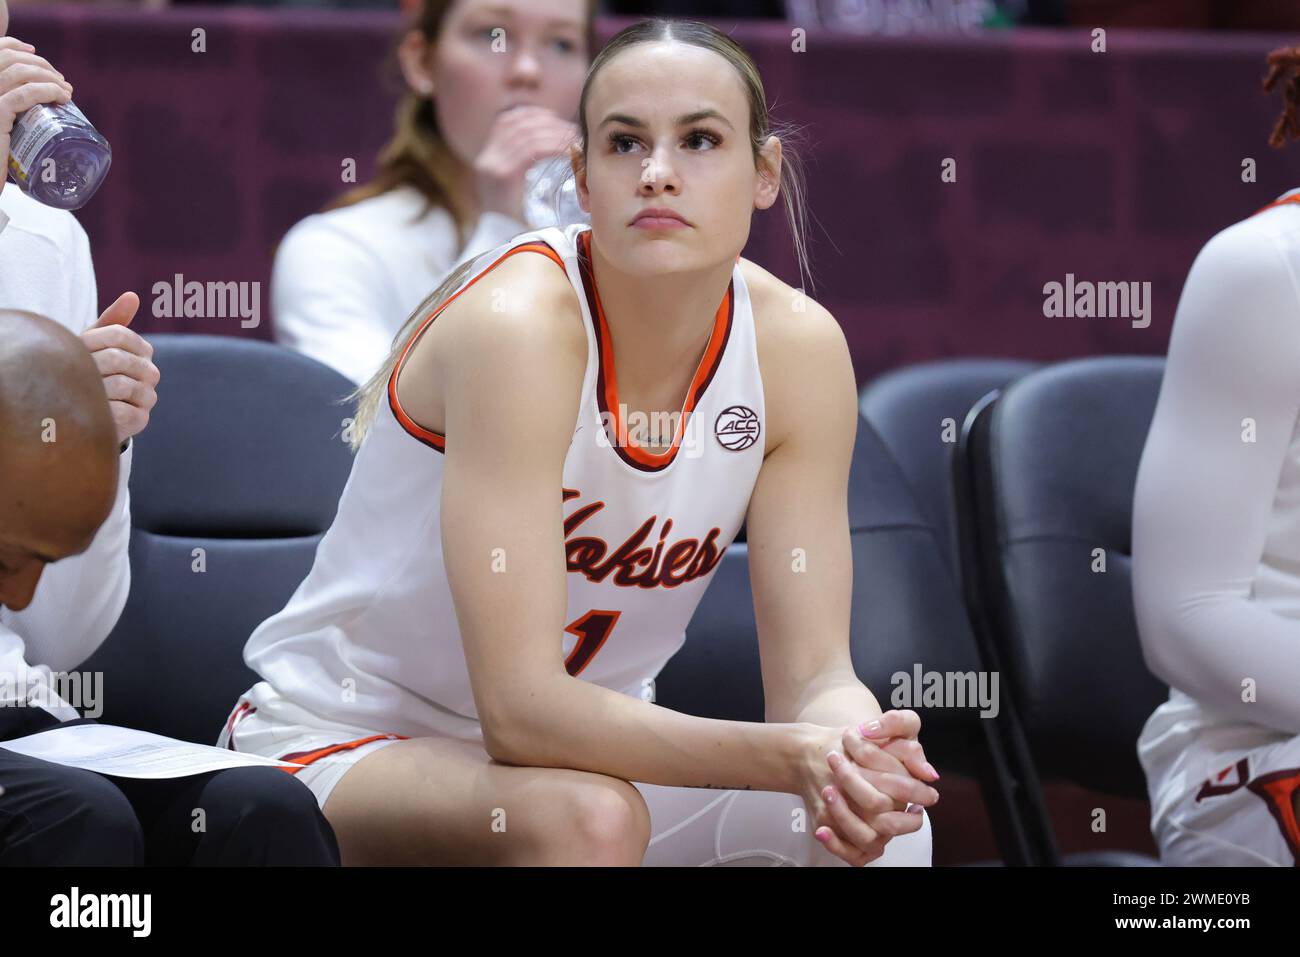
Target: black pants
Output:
{"points": [[51, 814]]}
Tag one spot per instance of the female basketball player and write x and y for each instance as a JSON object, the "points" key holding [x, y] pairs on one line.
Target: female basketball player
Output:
{"points": [[504, 497], [450, 182], [1216, 544]]}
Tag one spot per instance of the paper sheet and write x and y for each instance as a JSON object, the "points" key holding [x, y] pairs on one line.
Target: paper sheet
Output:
{"points": [[127, 753]]}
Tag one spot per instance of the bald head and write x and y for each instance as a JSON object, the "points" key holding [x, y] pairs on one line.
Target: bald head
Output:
{"points": [[58, 451]]}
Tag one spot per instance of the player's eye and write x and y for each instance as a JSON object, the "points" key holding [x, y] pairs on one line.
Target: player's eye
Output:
{"points": [[705, 135], [617, 139]]}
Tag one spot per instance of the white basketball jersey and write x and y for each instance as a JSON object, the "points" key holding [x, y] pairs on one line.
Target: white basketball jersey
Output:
{"points": [[370, 638]]}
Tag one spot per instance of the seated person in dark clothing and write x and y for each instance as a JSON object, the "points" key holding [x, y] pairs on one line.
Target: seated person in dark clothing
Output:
{"points": [[59, 491]]}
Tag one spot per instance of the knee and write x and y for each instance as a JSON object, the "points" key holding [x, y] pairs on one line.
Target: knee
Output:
{"points": [[267, 795], [70, 817], [265, 816], [607, 824]]}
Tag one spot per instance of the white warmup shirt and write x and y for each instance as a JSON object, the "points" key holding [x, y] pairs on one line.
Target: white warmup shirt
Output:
{"points": [[1216, 523], [370, 639], [45, 270], [345, 281]]}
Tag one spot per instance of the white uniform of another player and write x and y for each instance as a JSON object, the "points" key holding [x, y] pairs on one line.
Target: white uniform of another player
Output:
{"points": [[1216, 554], [368, 649]]}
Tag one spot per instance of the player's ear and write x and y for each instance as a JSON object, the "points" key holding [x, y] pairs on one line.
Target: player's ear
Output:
{"points": [[579, 176], [768, 183]]}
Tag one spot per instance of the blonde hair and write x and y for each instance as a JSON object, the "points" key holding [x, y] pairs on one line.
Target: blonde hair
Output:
{"points": [[656, 29]]}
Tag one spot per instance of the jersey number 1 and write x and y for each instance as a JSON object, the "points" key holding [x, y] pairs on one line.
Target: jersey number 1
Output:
{"points": [[592, 629]]}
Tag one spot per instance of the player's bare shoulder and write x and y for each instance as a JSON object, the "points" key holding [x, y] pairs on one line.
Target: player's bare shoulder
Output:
{"points": [[799, 342], [786, 318], [522, 307], [523, 293]]}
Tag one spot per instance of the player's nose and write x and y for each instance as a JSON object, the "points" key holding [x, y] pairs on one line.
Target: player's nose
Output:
{"points": [[659, 173]]}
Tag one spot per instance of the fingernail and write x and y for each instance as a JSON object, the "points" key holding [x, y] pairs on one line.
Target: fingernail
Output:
{"points": [[822, 835], [914, 809], [834, 759], [929, 769], [828, 794], [869, 730]]}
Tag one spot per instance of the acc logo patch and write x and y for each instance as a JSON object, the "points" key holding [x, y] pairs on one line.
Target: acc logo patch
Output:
{"points": [[737, 427]]}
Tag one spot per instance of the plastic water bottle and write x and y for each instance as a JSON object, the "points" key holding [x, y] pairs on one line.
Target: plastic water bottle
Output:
{"points": [[551, 194], [56, 156]]}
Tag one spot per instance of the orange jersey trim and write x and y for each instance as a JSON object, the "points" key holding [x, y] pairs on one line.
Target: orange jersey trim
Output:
{"points": [[239, 712], [607, 381], [1278, 202], [311, 757], [428, 436]]}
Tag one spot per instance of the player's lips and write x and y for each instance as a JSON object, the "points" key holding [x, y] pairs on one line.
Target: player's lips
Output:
{"points": [[658, 217]]}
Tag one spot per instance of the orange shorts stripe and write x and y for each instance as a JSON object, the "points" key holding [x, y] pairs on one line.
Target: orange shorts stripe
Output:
{"points": [[310, 757]]}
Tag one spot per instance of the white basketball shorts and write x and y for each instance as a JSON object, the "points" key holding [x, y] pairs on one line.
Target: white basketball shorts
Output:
{"points": [[1241, 813]]}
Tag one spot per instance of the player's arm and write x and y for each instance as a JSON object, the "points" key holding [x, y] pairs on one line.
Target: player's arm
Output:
{"points": [[800, 559], [511, 385], [801, 572], [1207, 485]]}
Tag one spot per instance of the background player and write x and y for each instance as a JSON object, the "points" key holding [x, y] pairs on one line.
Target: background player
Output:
{"points": [[1216, 545], [449, 184]]}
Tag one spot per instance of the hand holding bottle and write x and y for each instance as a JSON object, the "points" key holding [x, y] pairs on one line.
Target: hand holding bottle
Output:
{"points": [[25, 80], [52, 152], [518, 138]]}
